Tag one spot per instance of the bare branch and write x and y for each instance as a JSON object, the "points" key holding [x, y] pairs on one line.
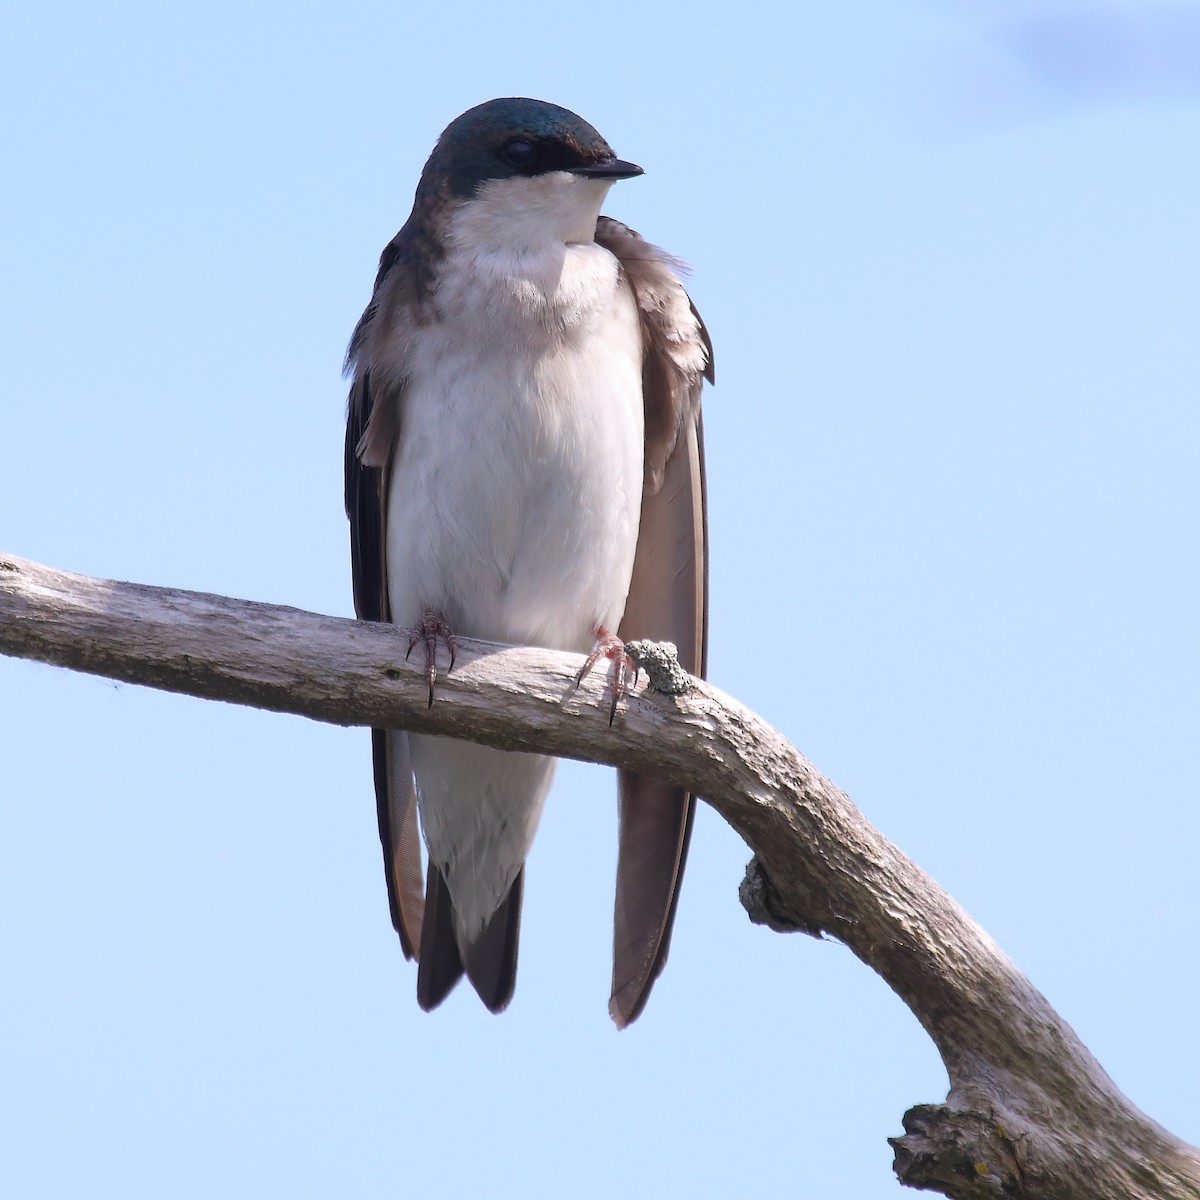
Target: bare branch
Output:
{"points": [[1030, 1113]]}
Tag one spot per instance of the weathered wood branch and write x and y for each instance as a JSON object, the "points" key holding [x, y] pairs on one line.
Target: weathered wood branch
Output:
{"points": [[1030, 1113]]}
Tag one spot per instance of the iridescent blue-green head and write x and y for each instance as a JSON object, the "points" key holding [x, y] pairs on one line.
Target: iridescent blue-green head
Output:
{"points": [[516, 137]]}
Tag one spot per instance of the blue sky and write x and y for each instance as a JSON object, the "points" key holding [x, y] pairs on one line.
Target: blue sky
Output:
{"points": [[950, 261]]}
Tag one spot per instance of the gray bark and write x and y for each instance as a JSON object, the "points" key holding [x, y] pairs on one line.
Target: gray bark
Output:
{"points": [[1030, 1113]]}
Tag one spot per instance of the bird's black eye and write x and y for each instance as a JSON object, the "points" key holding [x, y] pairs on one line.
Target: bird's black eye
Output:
{"points": [[519, 153]]}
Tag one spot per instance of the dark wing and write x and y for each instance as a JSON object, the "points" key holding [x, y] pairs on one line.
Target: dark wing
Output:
{"points": [[668, 601], [372, 422]]}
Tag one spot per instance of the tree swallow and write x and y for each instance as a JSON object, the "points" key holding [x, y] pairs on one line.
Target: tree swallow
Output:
{"points": [[524, 463]]}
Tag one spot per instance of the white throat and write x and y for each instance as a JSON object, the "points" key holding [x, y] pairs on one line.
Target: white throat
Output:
{"points": [[519, 216]]}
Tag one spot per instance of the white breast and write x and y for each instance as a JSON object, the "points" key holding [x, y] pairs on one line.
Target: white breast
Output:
{"points": [[516, 488]]}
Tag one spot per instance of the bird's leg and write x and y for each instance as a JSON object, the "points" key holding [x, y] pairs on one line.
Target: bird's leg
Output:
{"points": [[621, 675], [431, 627]]}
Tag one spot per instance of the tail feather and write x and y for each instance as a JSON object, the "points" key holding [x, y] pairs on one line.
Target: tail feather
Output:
{"points": [[439, 966], [490, 963]]}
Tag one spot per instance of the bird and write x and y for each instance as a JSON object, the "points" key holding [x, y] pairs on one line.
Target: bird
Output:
{"points": [[524, 463]]}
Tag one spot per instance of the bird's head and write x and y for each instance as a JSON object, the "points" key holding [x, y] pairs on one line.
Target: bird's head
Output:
{"points": [[519, 158]]}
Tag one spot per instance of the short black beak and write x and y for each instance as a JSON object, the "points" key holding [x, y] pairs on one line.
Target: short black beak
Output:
{"points": [[608, 168]]}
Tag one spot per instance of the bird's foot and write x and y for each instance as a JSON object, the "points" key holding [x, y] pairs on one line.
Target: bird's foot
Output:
{"points": [[431, 627], [623, 673]]}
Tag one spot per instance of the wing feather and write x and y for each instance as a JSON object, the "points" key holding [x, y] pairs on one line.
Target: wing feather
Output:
{"points": [[372, 424], [668, 601]]}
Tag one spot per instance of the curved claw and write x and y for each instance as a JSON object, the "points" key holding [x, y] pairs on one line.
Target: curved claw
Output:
{"points": [[621, 675], [431, 627]]}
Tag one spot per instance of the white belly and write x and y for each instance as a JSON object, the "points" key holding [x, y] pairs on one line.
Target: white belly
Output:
{"points": [[513, 511]]}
